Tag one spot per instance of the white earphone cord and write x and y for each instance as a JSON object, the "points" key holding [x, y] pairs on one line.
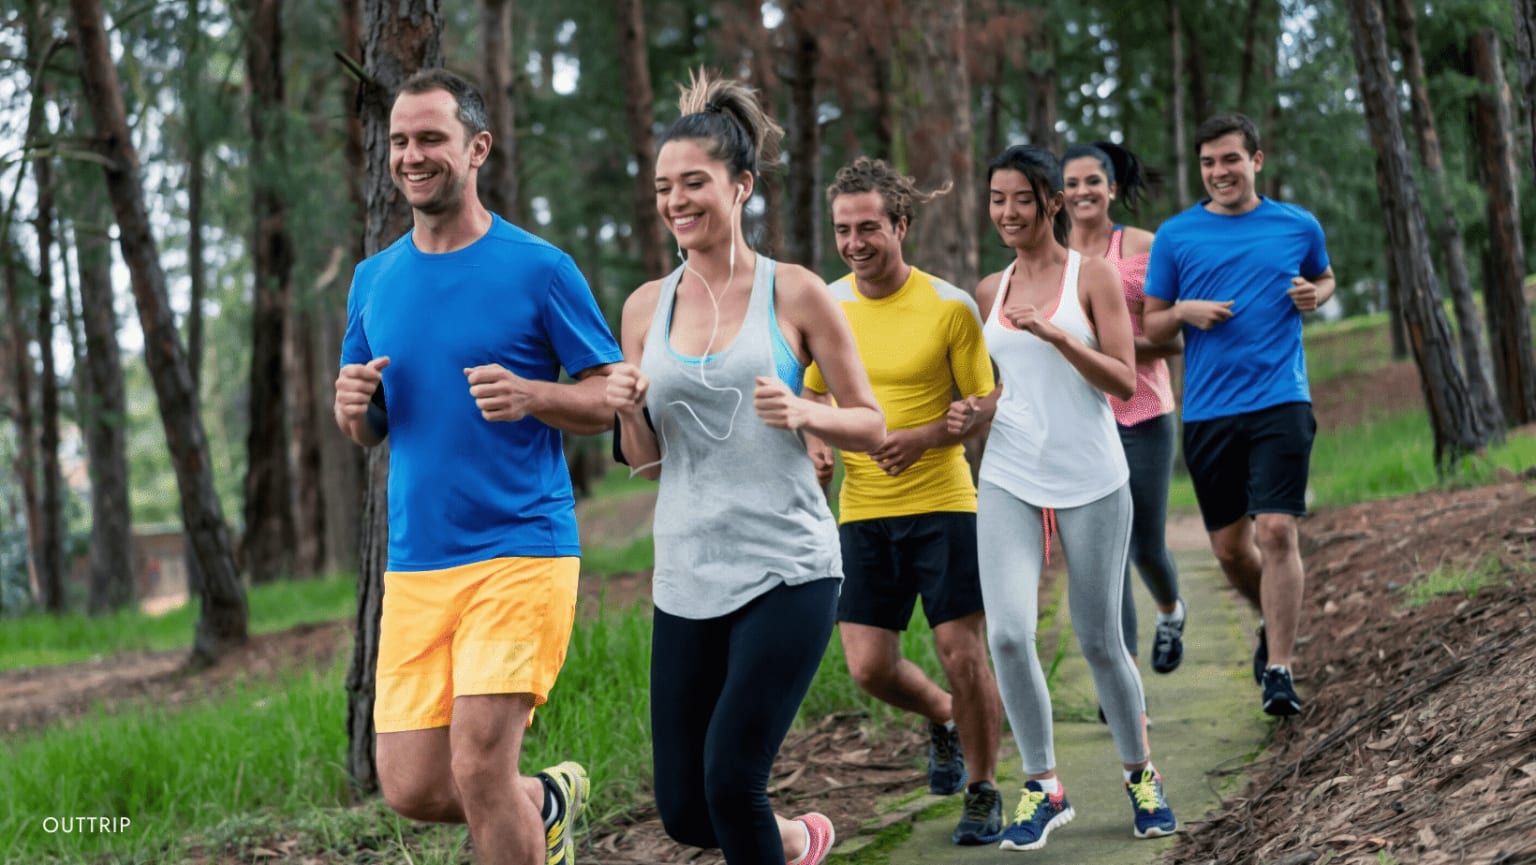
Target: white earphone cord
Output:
{"points": [[714, 331]]}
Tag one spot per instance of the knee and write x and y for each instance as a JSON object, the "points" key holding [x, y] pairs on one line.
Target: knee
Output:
{"points": [[962, 652], [685, 820], [732, 790], [1012, 645], [870, 672], [480, 775], [416, 800], [1276, 533]]}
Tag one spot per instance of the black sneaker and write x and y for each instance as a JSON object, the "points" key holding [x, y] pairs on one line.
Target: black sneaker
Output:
{"points": [[1280, 693], [982, 822], [1168, 645], [1260, 658], [946, 762]]}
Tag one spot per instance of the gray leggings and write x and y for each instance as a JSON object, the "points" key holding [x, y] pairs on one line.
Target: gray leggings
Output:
{"points": [[1149, 450], [1011, 552]]}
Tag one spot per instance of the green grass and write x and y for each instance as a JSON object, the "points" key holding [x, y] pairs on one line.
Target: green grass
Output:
{"points": [[1454, 580], [270, 752], [637, 555], [39, 639]]}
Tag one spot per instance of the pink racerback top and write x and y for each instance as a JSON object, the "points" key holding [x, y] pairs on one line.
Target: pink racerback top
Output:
{"points": [[1154, 390]]}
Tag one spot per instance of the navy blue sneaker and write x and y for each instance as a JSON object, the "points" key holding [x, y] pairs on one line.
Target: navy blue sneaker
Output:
{"points": [[1168, 644], [946, 762], [1260, 658], [1154, 818], [1280, 693], [1038, 813], [982, 822]]}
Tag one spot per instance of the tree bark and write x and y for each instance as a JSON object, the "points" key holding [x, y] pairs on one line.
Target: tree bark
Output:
{"points": [[400, 37], [940, 140], [1178, 120], [1041, 86], [1525, 45], [1250, 38], [268, 542], [26, 429], [803, 179], [1509, 327], [111, 584], [1474, 353], [222, 619], [50, 551], [766, 79], [639, 117], [498, 181], [1457, 427]]}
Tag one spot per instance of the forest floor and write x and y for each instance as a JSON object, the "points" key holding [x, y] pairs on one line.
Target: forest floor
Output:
{"points": [[1418, 742]]}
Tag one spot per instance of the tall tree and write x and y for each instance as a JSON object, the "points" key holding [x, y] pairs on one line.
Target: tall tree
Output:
{"points": [[940, 140], [1525, 45], [400, 37], [1474, 352], [111, 585], [803, 181], [1457, 426], [1177, 118], [1509, 327], [50, 563], [222, 617], [765, 77], [640, 118], [1042, 84], [18, 336], [498, 183], [269, 537]]}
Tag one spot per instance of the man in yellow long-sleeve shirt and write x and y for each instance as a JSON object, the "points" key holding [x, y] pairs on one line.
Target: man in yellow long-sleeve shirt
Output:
{"points": [[907, 510]]}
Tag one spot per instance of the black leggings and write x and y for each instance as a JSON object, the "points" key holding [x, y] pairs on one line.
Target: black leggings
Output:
{"points": [[723, 694]]}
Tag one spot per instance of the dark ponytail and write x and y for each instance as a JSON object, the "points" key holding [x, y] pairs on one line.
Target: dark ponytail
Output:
{"points": [[1121, 167]]}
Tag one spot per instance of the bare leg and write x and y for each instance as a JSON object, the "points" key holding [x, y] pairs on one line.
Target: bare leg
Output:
{"points": [[1282, 585], [876, 664], [978, 709]]}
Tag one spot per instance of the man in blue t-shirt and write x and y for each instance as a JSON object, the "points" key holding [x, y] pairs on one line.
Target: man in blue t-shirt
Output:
{"points": [[1236, 271], [456, 335]]}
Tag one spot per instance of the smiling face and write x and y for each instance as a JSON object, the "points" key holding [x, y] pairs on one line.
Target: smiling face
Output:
{"points": [[1088, 190], [1229, 173], [432, 157], [695, 195], [1023, 219], [866, 240]]}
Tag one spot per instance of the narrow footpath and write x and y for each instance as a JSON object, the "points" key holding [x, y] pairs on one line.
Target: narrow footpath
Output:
{"points": [[1206, 723]]}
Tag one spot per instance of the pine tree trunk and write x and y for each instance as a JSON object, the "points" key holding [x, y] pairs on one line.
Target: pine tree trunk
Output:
{"points": [[301, 369], [112, 584], [938, 111], [268, 542], [1041, 86], [1469, 326], [803, 180], [498, 182], [1178, 120], [771, 184], [1509, 327], [1525, 45], [222, 619], [18, 338], [639, 116], [1457, 426], [399, 38]]}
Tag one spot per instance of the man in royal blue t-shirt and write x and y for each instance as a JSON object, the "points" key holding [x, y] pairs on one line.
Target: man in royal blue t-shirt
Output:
{"points": [[1236, 271], [456, 335]]}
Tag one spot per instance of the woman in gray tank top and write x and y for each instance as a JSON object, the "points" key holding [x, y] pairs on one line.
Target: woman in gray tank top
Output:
{"points": [[747, 556]]}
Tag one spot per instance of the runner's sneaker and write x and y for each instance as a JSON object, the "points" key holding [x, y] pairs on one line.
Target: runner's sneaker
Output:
{"points": [[982, 822], [1154, 818], [1280, 692], [1037, 814], [946, 762], [567, 783], [822, 836], [1168, 644], [1260, 657]]}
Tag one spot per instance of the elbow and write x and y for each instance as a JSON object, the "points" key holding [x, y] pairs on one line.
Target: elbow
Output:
{"points": [[871, 432], [1125, 385]]}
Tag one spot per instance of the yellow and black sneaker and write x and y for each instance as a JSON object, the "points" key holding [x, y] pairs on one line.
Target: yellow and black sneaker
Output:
{"points": [[567, 784]]}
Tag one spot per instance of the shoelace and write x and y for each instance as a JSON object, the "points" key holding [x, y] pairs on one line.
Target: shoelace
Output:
{"points": [[978, 805], [1028, 805], [1145, 792], [1167, 632]]}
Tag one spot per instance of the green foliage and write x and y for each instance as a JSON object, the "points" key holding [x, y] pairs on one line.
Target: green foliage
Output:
{"points": [[39, 639], [1446, 579]]}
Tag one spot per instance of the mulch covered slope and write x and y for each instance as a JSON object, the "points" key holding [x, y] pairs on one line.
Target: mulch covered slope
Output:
{"points": [[1418, 739]]}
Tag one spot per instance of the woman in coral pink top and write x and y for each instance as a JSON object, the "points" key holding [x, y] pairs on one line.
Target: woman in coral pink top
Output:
{"points": [[1096, 175]]}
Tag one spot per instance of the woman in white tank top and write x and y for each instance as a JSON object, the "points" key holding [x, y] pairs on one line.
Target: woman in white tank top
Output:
{"points": [[1058, 329]]}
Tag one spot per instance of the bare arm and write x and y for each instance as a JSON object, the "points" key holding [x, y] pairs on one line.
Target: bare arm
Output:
{"points": [[358, 413], [1309, 294], [626, 386], [856, 422], [1148, 351], [822, 454], [1112, 366], [574, 407]]}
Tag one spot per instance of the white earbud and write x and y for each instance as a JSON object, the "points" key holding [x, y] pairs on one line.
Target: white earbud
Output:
{"points": [[741, 189]]}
